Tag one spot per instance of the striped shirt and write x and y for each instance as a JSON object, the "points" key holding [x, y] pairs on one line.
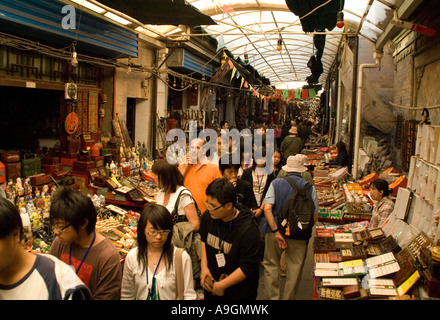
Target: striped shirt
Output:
{"points": [[48, 279]]}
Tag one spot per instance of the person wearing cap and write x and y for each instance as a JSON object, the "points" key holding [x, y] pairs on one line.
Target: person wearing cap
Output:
{"points": [[305, 174], [295, 250], [292, 144]]}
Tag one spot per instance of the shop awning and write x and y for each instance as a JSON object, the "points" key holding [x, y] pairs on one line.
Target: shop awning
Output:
{"points": [[41, 20], [161, 12]]}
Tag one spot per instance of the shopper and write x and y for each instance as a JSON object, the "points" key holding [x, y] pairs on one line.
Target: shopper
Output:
{"points": [[169, 181], [342, 157], [292, 144], [150, 269], [260, 179], [94, 257], [277, 162], [305, 173], [28, 276], [275, 243], [196, 177], [245, 193], [230, 246], [379, 192], [186, 217]]}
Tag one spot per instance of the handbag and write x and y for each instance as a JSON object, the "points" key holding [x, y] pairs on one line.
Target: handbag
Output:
{"points": [[175, 213]]}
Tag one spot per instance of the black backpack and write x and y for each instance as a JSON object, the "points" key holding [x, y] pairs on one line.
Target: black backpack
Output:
{"points": [[295, 220]]}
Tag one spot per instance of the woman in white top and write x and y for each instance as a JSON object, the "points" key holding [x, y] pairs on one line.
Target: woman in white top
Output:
{"points": [[170, 182], [149, 269]]}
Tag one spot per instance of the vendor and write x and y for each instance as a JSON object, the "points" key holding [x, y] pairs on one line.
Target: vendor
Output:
{"points": [[342, 158], [379, 192]]}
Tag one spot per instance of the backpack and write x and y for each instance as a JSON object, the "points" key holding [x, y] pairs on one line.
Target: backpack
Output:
{"points": [[295, 220], [184, 237]]}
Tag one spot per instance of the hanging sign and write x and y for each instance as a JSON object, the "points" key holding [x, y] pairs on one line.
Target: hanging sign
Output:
{"points": [[71, 123]]}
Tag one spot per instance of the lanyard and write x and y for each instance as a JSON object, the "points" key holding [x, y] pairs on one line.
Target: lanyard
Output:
{"points": [[150, 294], [84, 258], [224, 237]]}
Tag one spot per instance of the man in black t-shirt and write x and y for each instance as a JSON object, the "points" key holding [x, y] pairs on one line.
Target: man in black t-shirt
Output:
{"points": [[245, 194], [230, 246]]}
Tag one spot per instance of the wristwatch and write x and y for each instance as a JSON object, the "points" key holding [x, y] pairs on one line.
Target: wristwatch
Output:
{"points": [[277, 229]]}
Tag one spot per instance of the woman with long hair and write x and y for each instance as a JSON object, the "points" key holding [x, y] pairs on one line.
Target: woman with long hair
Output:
{"points": [[169, 180], [150, 268]]}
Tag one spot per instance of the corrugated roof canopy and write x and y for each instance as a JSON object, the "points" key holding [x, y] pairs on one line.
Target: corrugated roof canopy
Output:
{"points": [[253, 27]]}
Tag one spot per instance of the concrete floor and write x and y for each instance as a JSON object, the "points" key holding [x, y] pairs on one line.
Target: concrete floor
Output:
{"points": [[305, 289]]}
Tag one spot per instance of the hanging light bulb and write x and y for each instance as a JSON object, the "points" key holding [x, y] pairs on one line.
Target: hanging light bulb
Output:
{"points": [[74, 60], [129, 65], [340, 20], [279, 44], [246, 58]]}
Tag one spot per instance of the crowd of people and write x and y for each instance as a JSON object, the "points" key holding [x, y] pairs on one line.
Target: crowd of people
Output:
{"points": [[223, 214]]}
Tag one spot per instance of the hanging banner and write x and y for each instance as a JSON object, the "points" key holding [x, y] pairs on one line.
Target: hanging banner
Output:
{"points": [[292, 94], [312, 93], [285, 93], [242, 81], [297, 94], [304, 94], [233, 72]]}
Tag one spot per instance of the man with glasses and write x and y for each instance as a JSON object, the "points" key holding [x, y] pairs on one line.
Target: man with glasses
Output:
{"points": [[94, 257], [230, 246], [28, 276]]}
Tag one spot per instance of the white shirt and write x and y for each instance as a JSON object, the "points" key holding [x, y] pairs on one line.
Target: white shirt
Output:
{"points": [[134, 281], [185, 200]]}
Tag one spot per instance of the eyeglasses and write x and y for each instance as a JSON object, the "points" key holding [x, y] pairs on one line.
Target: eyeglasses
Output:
{"points": [[210, 207], [154, 233], [60, 229]]}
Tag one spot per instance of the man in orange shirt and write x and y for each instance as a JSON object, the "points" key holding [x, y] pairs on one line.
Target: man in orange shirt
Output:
{"points": [[197, 177]]}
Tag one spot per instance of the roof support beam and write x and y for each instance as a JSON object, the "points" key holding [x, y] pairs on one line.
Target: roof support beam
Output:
{"points": [[404, 11]]}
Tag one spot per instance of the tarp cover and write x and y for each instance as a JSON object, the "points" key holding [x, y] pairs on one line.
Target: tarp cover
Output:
{"points": [[374, 111]]}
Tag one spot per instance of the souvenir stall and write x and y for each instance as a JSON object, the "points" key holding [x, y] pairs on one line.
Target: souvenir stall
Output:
{"points": [[398, 261], [114, 173]]}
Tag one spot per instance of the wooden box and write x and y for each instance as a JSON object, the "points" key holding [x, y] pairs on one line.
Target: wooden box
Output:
{"points": [[83, 166], [99, 161], [10, 157], [30, 166], [85, 157], [50, 160], [40, 179], [73, 146], [100, 181], [68, 161], [351, 292], [51, 168], [13, 170], [82, 180], [93, 173], [126, 170], [60, 174]]}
